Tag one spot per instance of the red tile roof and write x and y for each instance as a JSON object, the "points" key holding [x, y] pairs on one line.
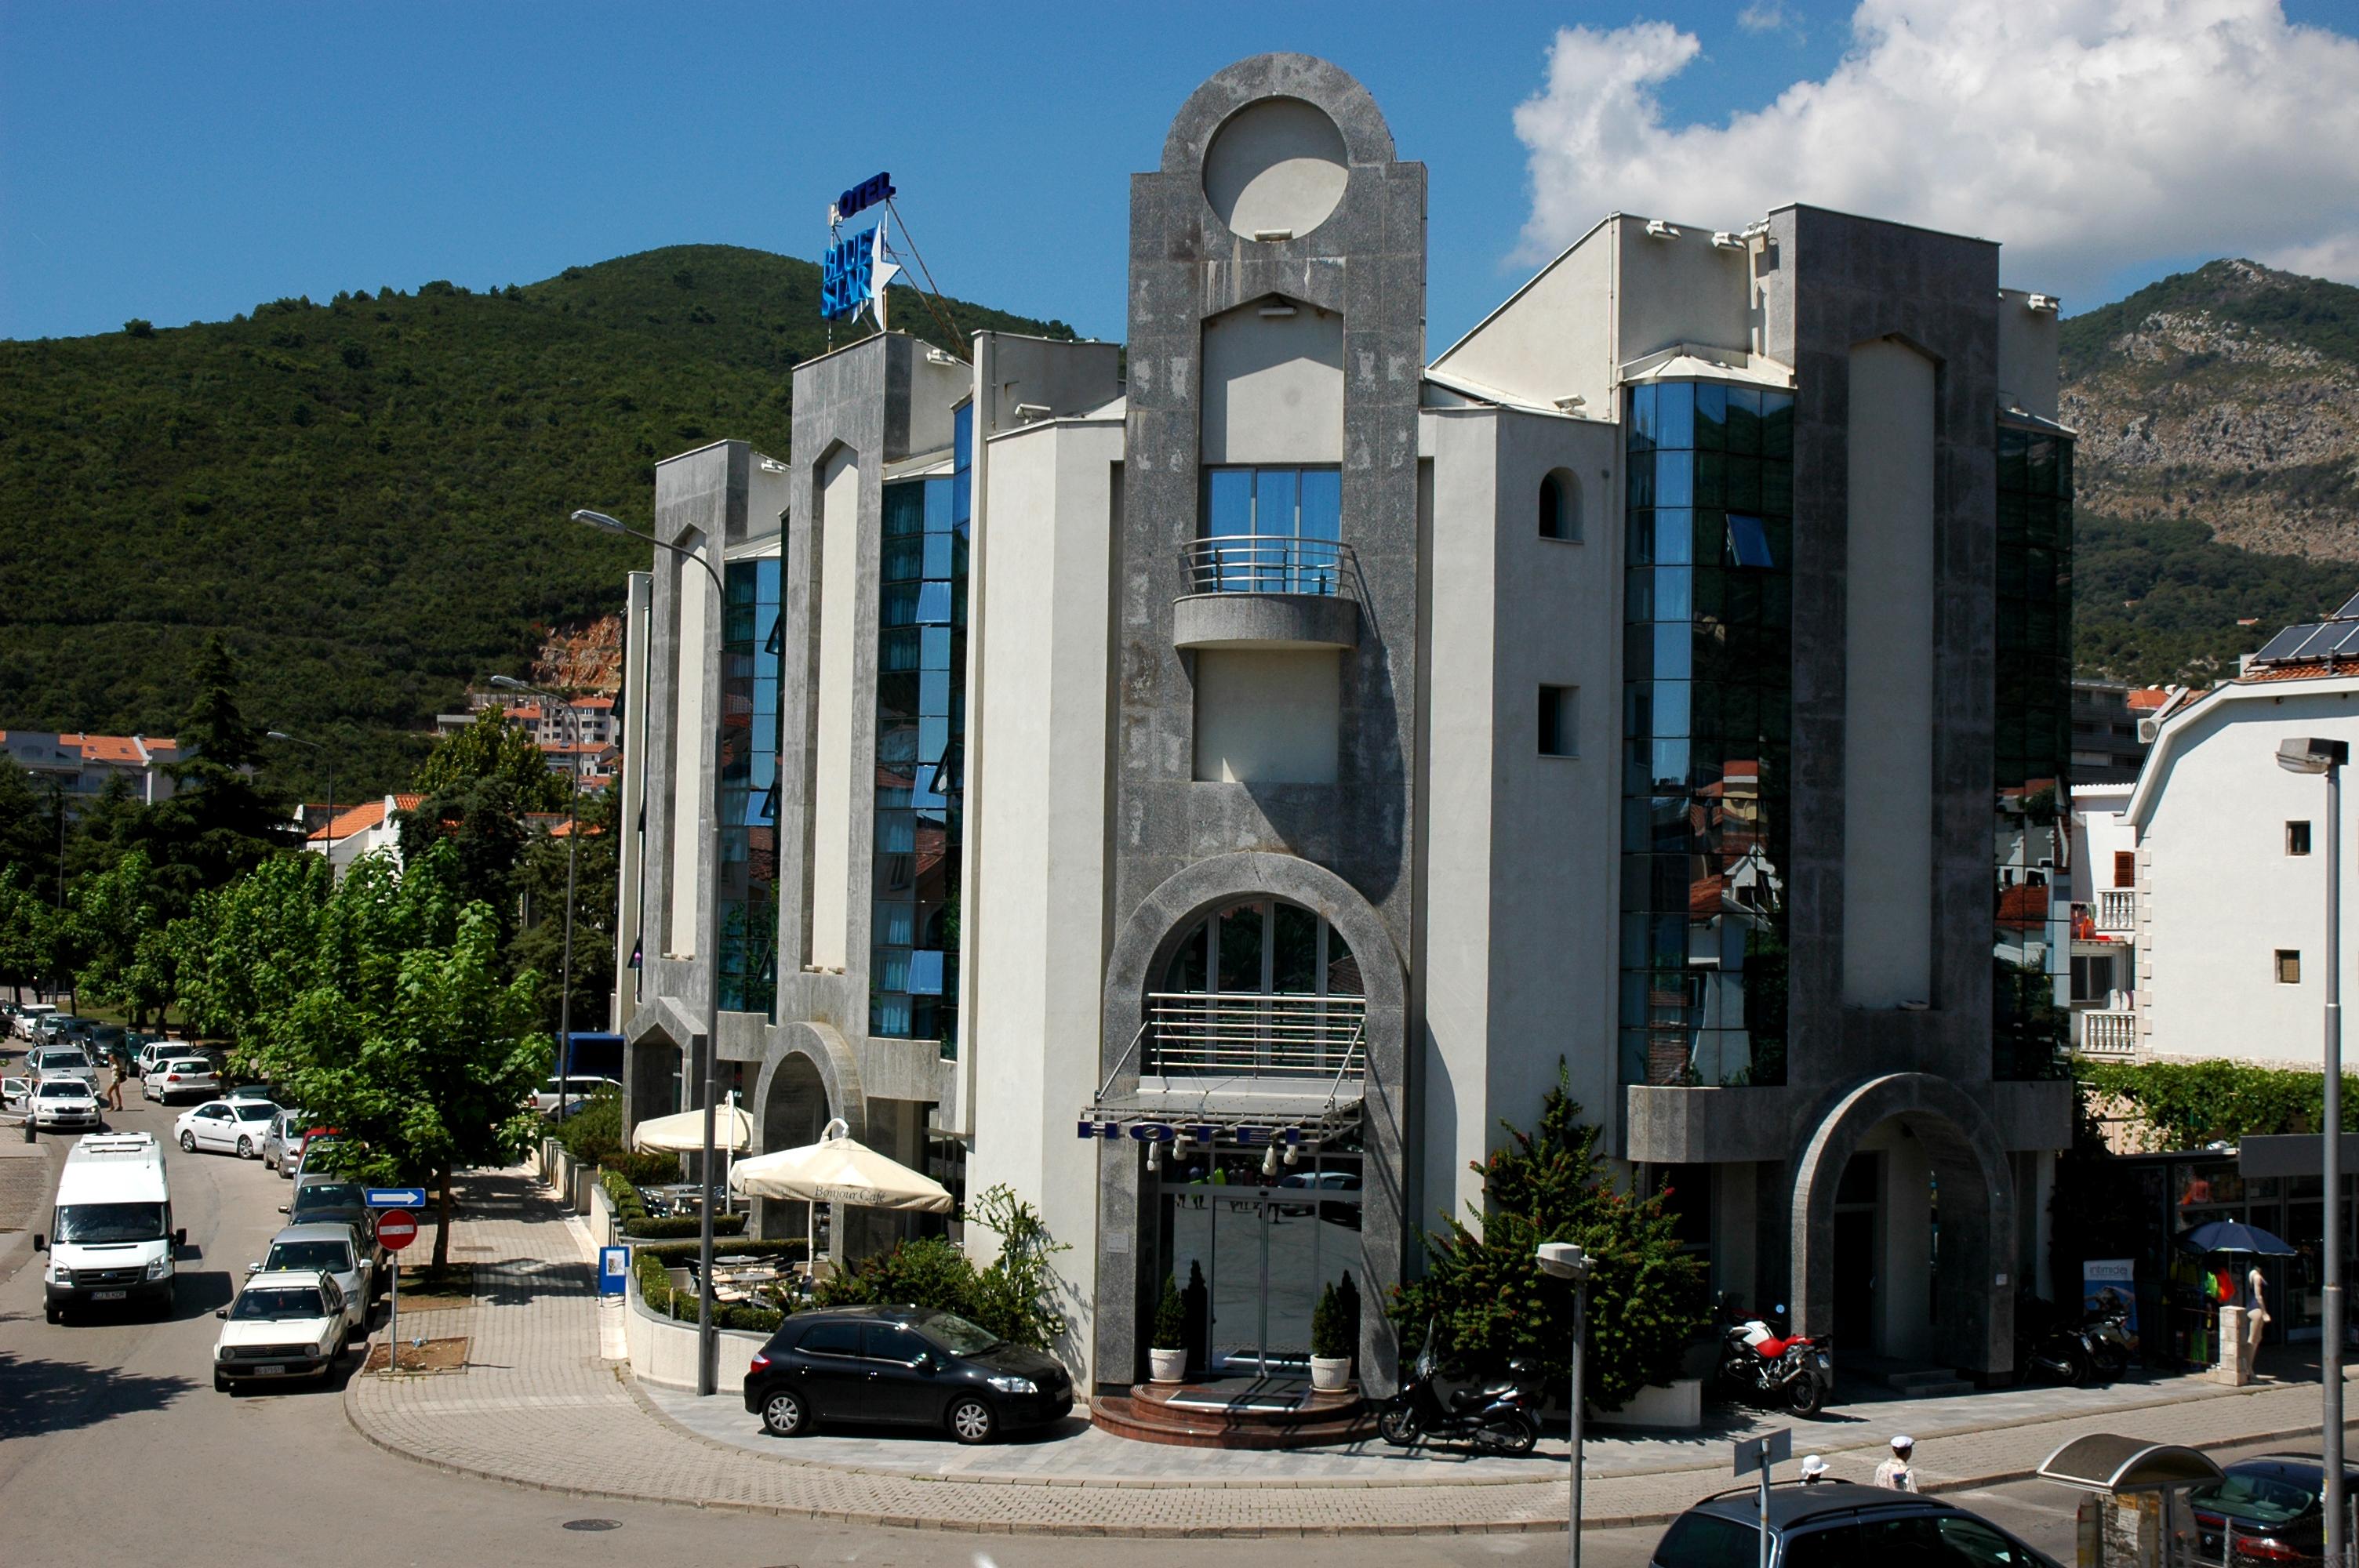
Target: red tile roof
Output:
{"points": [[2146, 699], [2321, 671], [358, 819]]}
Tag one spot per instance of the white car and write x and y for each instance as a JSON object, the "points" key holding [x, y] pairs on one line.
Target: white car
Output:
{"points": [[28, 1018], [61, 1104], [62, 1062], [329, 1250], [152, 1051], [289, 1323], [176, 1076], [581, 1087], [228, 1126], [16, 1094]]}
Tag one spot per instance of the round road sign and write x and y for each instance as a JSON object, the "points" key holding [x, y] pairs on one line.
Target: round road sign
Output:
{"points": [[397, 1230]]}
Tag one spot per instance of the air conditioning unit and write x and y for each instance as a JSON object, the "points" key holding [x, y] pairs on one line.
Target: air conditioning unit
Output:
{"points": [[2149, 731]]}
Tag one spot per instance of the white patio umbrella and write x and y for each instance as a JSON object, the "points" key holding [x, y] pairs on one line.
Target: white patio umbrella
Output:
{"points": [[839, 1169], [683, 1133]]}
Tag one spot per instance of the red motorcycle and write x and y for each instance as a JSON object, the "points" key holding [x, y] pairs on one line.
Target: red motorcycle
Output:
{"points": [[1759, 1362]]}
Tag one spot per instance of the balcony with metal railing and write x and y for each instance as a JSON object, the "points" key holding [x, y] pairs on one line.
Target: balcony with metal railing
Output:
{"points": [[1267, 590], [2106, 1032], [1199, 1035]]}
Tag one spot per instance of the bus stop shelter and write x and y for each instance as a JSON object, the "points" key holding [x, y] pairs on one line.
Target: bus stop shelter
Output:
{"points": [[2135, 1511]]}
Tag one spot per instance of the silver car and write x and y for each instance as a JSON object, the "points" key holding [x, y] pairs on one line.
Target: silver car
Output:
{"points": [[62, 1062], [282, 1146], [329, 1250]]}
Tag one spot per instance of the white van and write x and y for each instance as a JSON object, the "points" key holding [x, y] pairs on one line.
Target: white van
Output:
{"points": [[111, 1239]]}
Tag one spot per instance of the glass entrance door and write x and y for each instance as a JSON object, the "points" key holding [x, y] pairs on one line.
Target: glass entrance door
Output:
{"points": [[1251, 1254]]}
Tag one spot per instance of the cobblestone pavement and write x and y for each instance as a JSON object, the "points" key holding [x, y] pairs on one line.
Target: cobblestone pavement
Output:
{"points": [[546, 1402]]}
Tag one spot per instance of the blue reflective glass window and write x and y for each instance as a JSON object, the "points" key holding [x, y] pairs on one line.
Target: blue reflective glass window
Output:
{"points": [[933, 607], [934, 693], [1228, 502], [1673, 593], [1274, 491], [1674, 538], [1674, 479], [938, 505], [1323, 503], [938, 555], [1748, 541], [925, 972], [1642, 419], [1711, 416], [1675, 415]]}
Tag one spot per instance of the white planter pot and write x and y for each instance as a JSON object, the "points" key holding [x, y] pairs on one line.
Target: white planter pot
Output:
{"points": [[1168, 1366], [1331, 1374]]}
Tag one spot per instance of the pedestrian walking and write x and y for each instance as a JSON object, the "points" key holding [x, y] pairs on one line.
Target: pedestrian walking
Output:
{"points": [[2256, 1314], [1814, 1469], [1898, 1472], [114, 1088]]}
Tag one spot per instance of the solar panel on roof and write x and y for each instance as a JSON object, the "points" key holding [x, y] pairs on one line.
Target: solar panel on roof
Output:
{"points": [[2348, 646], [2319, 641], [2282, 645], [2350, 609]]}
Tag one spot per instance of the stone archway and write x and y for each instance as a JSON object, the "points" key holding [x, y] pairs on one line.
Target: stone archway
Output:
{"points": [[809, 1078], [1975, 1290]]}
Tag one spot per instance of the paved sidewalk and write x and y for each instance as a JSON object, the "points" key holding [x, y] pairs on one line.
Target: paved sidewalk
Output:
{"points": [[545, 1403]]}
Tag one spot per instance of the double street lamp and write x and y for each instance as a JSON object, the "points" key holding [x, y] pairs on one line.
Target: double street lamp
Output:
{"points": [[2314, 755], [707, 1341], [1566, 1260], [573, 851], [324, 752]]}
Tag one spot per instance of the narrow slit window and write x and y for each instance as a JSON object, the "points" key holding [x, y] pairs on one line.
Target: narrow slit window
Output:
{"points": [[2289, 967], [1559, 716], [2296, 837]]}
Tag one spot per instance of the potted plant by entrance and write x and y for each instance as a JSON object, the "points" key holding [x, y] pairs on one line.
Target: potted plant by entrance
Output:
{"points": [[1334, 1335], [1166, 1352]]}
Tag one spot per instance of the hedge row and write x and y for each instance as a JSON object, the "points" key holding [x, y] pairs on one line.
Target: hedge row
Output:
{"points": [[637, 1223]]}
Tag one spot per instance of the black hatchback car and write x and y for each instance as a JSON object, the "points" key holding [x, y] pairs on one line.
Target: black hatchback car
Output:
{"points": [[905, 1365], [1836, 1525], [2267, 1511]]}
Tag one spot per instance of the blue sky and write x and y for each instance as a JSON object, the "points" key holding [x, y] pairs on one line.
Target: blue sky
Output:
{"points": [[179, 163]]}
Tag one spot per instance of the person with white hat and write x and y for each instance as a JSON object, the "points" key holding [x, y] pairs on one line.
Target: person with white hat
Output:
{"points": [[1896, 1472], [1814, 1469]]}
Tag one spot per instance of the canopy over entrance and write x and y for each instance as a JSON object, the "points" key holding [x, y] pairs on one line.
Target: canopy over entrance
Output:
{"points": [[2107, 1462]]}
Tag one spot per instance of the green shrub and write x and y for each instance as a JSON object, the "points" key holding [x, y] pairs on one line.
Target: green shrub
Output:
{"points": [[1334, 1322], [595, 1133], [672, 1226], [651, 1265], [1014, 1297], [1484, 1291], [1170, 1331], [645, 1170]]}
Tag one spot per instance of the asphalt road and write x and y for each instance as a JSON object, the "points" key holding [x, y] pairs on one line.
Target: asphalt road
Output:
{"points": [[113, 1444]]}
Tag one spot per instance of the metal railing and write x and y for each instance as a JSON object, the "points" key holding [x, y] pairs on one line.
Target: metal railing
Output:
{"points": [[2108, 1032], [1268, 563], [1249, 1034], [2116, 910]]}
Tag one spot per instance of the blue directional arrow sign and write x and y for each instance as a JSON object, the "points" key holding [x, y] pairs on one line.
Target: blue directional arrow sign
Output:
{"points": [[394, 1197]]}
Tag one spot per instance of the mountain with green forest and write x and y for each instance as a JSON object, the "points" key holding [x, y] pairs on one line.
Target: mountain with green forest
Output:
{"points": [[368, 496], [2217, 471]]}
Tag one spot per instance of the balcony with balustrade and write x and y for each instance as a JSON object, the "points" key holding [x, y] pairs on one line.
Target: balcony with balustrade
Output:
{"points": [[1266, 590], [2114, 911], [2110, 1032]]}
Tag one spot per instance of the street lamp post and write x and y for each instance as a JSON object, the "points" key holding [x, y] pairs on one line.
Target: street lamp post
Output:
{"points": [[572, 850], [1566, 1260], [2315, 755], [316, 746], [708, 1343]]}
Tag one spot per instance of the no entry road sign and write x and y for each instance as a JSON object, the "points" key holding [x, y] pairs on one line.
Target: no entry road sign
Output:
{"points": [[397, 1230]]}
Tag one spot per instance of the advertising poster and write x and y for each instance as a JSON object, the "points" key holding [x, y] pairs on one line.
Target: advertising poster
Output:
{"points": [[2107, 1282]]}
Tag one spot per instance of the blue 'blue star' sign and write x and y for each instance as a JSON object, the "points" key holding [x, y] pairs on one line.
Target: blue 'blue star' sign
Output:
{"points": [[845, 275]]}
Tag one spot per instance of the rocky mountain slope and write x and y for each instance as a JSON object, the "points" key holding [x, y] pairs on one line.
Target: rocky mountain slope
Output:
{"points": [[2230, 397]]}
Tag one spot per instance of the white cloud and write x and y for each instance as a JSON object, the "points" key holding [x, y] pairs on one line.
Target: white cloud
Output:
{"points": [[1767, 16], [2086, 135]]}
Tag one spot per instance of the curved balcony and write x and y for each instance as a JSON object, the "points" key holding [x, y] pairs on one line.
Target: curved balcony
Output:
{"points": [[1267, 590]]}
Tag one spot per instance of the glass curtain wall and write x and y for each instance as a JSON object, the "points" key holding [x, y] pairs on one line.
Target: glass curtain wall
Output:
{"points": [[920, 730], [1707, 733], [753, 650], [2031, 752]]}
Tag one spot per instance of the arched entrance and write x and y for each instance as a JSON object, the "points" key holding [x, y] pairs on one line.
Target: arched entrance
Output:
{"points": [[794, 1113], [1866, 1265]]}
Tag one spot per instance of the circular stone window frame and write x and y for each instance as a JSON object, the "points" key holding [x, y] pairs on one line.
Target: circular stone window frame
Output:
{"points": [[1302, 134]]}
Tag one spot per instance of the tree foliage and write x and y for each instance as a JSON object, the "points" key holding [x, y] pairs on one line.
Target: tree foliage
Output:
{"points": [[221, 819], [1484, 1291], [597, 878], [367, 495], [2190, 1104], [495, 748]]}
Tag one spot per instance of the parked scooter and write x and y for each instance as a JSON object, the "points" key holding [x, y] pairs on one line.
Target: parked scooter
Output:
{"points": [[1760, 1362], [1499, 1415], [2105, 1335], [2047, 1347]]}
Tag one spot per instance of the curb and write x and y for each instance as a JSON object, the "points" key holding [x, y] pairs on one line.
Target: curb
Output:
{"points": [[1048, 1527]]}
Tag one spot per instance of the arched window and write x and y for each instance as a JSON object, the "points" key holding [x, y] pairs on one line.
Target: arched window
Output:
{"points": [[1561, 505], [1263, 947]]}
